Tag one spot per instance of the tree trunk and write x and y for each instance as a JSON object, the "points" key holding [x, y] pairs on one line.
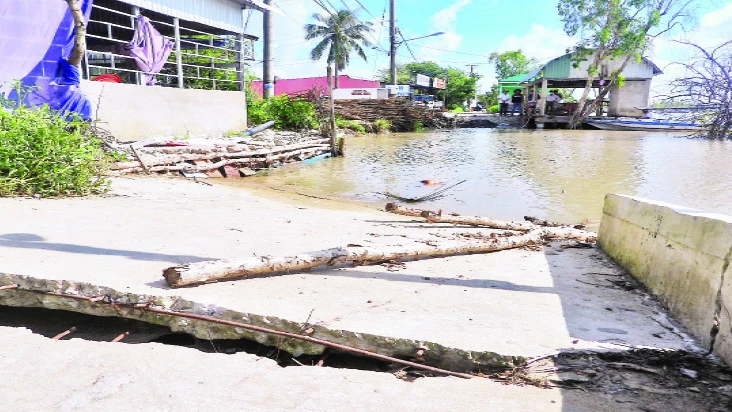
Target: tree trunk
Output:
{"points": [[77, 55], [337, 80], [203, 272]]}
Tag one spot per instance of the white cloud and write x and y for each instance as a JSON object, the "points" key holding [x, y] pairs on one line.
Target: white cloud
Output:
{"points": [[541, 42], [442, 21]]}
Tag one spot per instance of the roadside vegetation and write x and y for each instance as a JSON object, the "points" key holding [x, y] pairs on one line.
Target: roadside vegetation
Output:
{"points": [[461, 86], [44, 153], [350, 125], [289, 113]]}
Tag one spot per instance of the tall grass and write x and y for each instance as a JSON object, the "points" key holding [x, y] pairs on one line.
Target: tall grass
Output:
{"points": [[43, 152]]}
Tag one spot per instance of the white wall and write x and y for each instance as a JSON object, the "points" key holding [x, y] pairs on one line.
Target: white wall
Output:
{"points": [[682, 255], [624, 100], [132, 112]]}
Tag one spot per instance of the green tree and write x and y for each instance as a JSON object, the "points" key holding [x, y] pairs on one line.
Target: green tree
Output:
{"points": [[512, 63], [342, 34], [610, 30], [460, 86]]}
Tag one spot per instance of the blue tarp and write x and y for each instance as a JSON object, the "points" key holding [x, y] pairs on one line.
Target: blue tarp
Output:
{"points": [[39, 34]]}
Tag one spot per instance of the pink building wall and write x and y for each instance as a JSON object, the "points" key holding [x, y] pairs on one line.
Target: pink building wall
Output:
{"points": [[297, 86]]}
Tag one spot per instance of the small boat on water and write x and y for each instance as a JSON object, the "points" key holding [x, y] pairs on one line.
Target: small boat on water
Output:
{"points": [[649, 125]]}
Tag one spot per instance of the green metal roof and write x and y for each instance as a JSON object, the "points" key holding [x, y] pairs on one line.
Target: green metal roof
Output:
{"points": [[513, 79]]}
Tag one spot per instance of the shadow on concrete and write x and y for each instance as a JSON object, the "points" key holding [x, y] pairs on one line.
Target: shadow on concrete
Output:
{"points": [[32, 241], [467, 283], [601, 303]]}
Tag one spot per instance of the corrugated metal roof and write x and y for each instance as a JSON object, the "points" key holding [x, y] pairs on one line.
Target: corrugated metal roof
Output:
{"points": [[222, 14], [558, 68], [561, 68]]}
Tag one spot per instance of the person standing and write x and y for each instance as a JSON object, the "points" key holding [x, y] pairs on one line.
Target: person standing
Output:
{"points": [[503, 100], [517, 99], [551, 100]]}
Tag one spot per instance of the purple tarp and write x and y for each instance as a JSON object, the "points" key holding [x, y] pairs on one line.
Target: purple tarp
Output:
{"points": [[149, 48]]}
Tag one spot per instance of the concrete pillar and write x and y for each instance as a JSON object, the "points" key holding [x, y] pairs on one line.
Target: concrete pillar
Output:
{"points": [[542, 102]]}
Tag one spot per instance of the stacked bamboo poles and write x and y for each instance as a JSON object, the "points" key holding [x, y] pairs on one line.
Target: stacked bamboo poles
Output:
{"points": [[180, 158]]}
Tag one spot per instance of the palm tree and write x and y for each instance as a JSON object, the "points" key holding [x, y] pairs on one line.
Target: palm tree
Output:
{"points": [[343, 33]]}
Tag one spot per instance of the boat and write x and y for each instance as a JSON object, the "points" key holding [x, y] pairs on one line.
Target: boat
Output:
{"points": [[648, 125]]}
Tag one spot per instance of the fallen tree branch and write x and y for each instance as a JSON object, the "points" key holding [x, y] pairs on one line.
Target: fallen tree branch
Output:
{"points": [[556, 231], [202, 272]]}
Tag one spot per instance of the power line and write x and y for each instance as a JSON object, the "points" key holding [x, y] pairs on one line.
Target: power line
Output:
{"points": [[365, 9]]}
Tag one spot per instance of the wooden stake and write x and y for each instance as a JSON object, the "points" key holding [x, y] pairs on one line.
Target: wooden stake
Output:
{"points": [[139, 159], [120, 337], [61, 335]]}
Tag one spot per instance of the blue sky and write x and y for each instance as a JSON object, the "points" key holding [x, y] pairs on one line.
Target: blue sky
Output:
{"points": [[473, 29]]}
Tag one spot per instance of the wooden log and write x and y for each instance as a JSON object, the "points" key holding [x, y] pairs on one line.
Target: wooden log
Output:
{"points": [[460, 220], [556, 231], [207, 271]]}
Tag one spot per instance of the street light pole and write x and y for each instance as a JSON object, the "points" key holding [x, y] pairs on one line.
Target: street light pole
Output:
{"points": [[392, 40]]}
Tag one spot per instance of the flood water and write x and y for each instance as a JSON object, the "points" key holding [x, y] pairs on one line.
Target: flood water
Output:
{"points": [[560, 175]]}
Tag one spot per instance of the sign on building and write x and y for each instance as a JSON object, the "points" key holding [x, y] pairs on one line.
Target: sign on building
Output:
{"points": [[438, 83], [423, 80], [401, 90], [360, 94]]}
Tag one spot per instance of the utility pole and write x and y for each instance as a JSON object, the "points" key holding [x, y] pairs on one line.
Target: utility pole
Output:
{"points": [[331, 109], [392, 40], [268, 72], [472, 66]]}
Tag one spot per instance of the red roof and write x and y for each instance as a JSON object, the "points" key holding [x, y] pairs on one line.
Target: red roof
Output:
{"points": [[298, 86]]}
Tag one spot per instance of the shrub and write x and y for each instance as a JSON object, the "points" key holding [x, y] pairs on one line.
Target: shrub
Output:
{"points": [[381, 125], [349, 124], [291, 113], [288, 113], [418, 126], [45, 153], [494, 109], [458, 109]]}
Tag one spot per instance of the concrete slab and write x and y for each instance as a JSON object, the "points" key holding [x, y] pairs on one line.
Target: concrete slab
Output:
{"points": [[77, 375], [514, 303]]}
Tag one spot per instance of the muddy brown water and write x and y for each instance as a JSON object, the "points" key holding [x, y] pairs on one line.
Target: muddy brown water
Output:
{"points": [[560, 175]]}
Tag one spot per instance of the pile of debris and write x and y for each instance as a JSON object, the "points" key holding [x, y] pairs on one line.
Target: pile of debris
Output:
{"points": [[237, 156], [402, 113]]}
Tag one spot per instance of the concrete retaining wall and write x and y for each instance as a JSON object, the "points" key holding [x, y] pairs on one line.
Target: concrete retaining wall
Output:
{"points": [[133, 112], [682, 255]]}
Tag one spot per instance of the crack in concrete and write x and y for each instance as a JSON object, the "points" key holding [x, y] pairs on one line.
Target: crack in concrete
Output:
{"points": [[53, 291], [714, 331]]}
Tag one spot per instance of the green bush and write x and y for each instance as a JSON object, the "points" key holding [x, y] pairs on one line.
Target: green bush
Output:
{"points": [[349, 124], [288, 113], [291, 113], [381, 125], [43, 153], [494, 109], [418, 126], [458, 109]]}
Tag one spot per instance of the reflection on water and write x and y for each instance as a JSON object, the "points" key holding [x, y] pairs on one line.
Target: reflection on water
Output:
{"points": [[555, 174]]}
